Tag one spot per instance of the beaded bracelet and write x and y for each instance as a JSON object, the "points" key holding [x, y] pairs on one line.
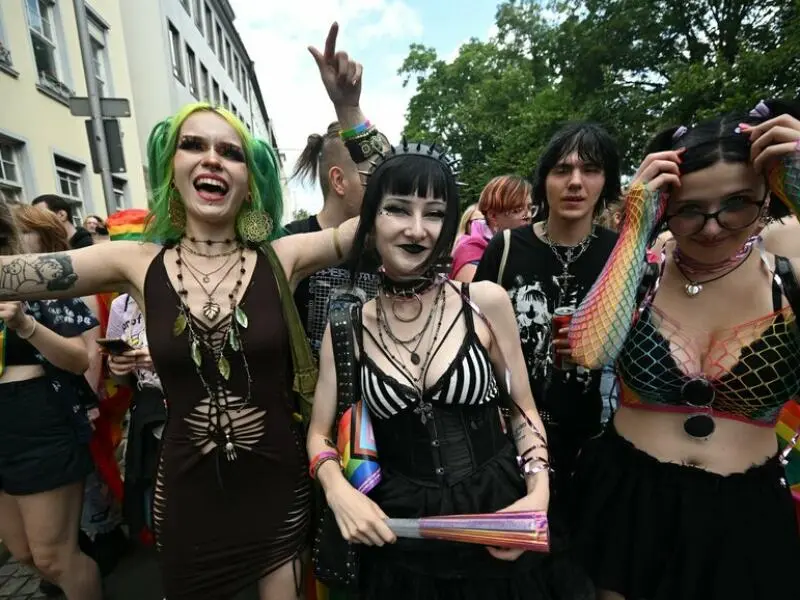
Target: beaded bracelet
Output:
{"points": [[355, 131], [319, 459]]}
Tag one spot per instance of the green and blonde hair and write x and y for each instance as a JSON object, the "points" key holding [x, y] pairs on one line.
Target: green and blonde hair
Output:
{"points": [[262, 166]]}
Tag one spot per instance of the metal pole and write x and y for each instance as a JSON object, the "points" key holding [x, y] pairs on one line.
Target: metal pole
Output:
{"points": [[94, 105]]}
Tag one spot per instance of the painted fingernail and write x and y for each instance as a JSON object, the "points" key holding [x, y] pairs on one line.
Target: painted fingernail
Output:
{"points": [[742, 127]]}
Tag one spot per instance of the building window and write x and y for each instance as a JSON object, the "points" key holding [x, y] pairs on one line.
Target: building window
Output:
{"points": [[5, 53], [216, 94], [228, 57], [219, 44], [175, 52], [191, 64], [205, 94], [237, 74], [198, 14], [209, 26], [41, 21], [119, 186], [97, 41], [225, 101], [245, 84], [10, 170], [185, 4], [70, 185]]}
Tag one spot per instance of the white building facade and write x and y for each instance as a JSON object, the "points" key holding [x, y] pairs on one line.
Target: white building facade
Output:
{"points": [[183, 51]]}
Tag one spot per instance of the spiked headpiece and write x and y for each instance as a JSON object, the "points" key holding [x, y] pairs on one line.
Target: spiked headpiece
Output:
{"points": [[406, 148]]}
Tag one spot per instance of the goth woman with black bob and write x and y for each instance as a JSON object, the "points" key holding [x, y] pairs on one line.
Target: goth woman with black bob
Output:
{"points": [[684, 495], [426, 365]]}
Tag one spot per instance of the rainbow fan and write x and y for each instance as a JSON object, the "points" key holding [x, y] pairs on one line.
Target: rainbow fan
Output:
{"points": [[356, 443], [525, 529]]}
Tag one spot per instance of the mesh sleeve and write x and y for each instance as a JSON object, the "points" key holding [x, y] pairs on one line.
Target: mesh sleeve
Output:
{"points": [[784, 181], [604, 318]]}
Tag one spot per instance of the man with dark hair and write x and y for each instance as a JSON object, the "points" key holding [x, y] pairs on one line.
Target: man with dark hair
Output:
{"points": [[552, 265], [62, 209], [326, 159]]}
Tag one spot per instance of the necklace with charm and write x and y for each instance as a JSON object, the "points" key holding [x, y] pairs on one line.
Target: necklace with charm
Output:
{"points": [[571, 254]]}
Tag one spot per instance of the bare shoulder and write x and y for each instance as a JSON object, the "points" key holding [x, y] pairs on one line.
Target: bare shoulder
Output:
{"points": [[490, 297]]}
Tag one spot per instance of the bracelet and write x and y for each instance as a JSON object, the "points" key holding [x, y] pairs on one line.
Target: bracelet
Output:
{"points": [[337, 244], [33, 330], [365, 146], [319, 459], [354, 131]]}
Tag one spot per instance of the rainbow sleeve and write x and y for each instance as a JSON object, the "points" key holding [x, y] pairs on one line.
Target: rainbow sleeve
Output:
{"points": [[784, 181], [601, 323]]}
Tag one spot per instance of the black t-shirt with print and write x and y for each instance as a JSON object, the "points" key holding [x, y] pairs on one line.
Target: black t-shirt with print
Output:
{"points": [[569, 398], [312, 295]]}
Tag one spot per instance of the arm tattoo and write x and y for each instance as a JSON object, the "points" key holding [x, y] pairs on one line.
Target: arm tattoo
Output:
{"points": [[32, 273], [519, 432], [329, 443]]}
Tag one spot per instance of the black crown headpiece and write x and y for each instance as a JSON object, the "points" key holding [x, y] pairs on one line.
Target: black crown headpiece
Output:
{"points": [[406, 148]]}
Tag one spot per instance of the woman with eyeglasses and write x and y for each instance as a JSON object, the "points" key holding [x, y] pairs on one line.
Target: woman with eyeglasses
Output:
{"points": [[683, 496], [505, 203]]}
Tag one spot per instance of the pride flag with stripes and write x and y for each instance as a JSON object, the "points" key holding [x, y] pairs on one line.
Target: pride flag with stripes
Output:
{"points": [[127, 224]]}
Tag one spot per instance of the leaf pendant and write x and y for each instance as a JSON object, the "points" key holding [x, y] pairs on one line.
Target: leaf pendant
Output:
{"points": [[241, 317], [196, 357], [224, 367], [180, 324], [233, 340], [211, 310]]}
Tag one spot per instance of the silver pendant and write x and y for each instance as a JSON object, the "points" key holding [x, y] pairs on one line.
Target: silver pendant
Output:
{"points": [[211, 310], [692, 289], [230, 451]]}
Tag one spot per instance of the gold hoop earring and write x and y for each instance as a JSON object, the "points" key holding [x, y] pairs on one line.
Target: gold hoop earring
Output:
{"points": [[255, 226], [177, 212]]}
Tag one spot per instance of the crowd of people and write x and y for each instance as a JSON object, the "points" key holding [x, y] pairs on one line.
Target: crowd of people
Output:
{"points": [[613, 356]]}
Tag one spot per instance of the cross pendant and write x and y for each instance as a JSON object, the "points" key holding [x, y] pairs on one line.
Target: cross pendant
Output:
{"points": [[563, 285]]}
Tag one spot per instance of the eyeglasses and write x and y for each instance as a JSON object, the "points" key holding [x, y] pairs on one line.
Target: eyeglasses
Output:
{"points": [[733, 217], [700, 394]]}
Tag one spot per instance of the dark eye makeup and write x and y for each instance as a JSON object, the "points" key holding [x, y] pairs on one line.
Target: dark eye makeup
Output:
{"points": [[227, 150]]}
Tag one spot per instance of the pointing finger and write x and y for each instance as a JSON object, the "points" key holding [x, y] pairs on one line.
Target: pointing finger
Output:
{"points": [[330, 43]]}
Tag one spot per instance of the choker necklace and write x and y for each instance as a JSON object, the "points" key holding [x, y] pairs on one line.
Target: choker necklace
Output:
{"points": [[401, 292], [692, 287], [694, 267], [194, 240]]}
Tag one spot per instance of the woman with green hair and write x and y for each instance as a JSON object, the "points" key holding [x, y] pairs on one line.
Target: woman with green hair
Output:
{"points": [[232, 500]]}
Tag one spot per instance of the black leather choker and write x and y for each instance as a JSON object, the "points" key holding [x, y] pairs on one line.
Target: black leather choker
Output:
{"points": [[407, 288]]}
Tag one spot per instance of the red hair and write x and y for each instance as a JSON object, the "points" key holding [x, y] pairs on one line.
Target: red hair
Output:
{"points": [[51, 233], [504, 193]]}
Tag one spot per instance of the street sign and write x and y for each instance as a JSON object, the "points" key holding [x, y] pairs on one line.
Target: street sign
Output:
{"points": [[116, 154], [112, 108]]}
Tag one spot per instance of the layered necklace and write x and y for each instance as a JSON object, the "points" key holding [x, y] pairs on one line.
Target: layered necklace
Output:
{"points": [[570, 255], [696, 272], [396, 294], [230, 332]]}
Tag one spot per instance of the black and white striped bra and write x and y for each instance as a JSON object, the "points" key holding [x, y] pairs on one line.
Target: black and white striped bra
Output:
{"points": [[468, 381]]}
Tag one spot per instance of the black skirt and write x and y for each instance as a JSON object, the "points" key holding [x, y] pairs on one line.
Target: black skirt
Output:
{"points": [[659, 531], [436, 570]]}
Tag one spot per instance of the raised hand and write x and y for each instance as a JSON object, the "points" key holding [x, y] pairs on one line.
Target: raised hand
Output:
{"points": [[339, 73], [659, 170], [773, 139]]}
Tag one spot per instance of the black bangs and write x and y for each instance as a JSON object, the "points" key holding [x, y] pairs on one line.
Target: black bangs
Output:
{"points": [[593, 145], [407, 175], [412, 175]]}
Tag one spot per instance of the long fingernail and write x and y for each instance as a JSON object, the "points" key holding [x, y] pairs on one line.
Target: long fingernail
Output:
{"points": [[743, 127]]}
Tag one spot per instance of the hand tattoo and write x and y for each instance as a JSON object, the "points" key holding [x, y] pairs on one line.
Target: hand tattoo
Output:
{"points": [[32, 273]]}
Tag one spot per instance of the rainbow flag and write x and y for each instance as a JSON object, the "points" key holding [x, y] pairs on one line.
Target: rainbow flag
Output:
{"points": [[788, 425], [356, 443], [127, 224]]}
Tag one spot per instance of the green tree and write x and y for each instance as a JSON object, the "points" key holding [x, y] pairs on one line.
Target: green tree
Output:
{"points": [[299, 214], [632, 65]]}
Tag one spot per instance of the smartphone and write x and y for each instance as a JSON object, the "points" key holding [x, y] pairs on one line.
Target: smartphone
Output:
{"points": [[114, 345]]}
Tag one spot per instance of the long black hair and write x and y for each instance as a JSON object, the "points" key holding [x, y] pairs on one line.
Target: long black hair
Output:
{"points": [[718, 140], [593, 145], [410, 170]]}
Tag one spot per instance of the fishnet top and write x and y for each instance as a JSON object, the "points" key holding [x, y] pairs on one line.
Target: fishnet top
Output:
{"points": [[753, 367]]}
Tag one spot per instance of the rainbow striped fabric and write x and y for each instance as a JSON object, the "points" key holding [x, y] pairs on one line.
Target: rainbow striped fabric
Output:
{"points": [[127, 224], [356, 443]]}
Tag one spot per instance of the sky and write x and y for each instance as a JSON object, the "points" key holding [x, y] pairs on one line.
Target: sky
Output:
{"points": [[376, 33]]}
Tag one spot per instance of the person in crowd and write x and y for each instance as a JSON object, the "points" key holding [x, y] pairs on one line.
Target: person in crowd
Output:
{"points": [[44, 429], [232, 478], [548, 268], [505, 203], [707, 354], [325, 159], [78, 237], [470, 215], [426, 371]]}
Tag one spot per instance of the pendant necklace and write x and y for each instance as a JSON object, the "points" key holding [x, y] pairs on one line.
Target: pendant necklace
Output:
{"points": [[572, 254], [692, 287]]}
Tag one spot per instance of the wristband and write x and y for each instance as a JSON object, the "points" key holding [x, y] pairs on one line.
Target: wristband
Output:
{"points": [[320, 458], [33, 330], [354, 131]]}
